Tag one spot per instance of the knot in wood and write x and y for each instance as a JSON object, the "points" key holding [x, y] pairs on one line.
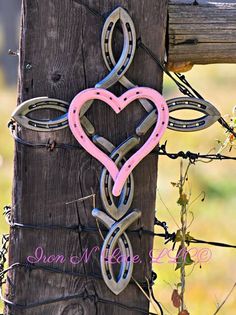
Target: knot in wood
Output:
{"points": [[56, 77]]}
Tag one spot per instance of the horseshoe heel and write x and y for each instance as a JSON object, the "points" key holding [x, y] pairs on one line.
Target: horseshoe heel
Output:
{"points": [[116, 235], [180, 103], [21, 115]]}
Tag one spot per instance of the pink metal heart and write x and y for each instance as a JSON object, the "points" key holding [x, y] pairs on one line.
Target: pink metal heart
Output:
{"points": [[118, 104]]}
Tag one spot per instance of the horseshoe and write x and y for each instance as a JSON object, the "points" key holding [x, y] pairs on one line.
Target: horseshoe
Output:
{"points": [[117, 69], [116, 235], [20, 115], [126, 197], [211, 115]]}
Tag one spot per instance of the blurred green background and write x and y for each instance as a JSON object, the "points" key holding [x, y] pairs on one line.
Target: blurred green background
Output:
{"points": [[207, 286]]}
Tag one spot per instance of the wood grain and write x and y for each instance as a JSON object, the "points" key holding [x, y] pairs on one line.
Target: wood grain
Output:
{"points": [[202, 33], [60, 40]]}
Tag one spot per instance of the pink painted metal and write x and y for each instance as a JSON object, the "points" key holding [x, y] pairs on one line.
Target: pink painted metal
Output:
{"points": [[118, 104]]}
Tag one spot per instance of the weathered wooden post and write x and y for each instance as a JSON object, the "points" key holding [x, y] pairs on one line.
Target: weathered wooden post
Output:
{"points": [[60, 55], [200, 32]]}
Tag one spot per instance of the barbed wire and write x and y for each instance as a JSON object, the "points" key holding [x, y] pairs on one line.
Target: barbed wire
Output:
{"points": [[79, 228], [50, 145], [192, 156], [85, 295], [30, 266]]}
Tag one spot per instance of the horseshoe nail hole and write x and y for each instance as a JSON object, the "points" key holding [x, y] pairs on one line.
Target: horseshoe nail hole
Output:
{"points": [[119, 108], [157, 134], [137, 92], [129, 166], [125, 99], [128, 26], [163, 123], [109, 200], [81, 137], [111, 98], [115, 157], [98, 93], [110, 26], [75, 125], [74, 111]]}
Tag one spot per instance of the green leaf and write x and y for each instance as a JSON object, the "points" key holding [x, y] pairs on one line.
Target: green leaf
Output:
{"points": [[188, 260], [183, 258]]}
